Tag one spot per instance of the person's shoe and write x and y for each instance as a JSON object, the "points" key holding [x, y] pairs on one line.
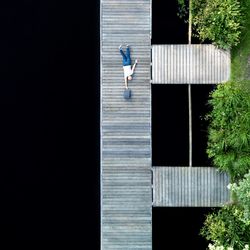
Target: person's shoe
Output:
{"points": [[120, 46]]}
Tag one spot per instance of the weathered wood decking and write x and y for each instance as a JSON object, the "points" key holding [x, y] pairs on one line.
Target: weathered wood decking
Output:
{"points": [[189, 187], [126, 177], [189, 64], [126, 189]]}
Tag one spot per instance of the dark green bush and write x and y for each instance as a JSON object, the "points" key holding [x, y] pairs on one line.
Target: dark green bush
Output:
{"points": [[229, 128], [183, 9], [227, 227], [220, 21], [242, 194]]}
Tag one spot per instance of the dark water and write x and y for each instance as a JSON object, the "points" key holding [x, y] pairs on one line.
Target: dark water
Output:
{"points": [[200, 107], [170, 103], [170, 125], [177, 228], [167, 27], [57, 123]]}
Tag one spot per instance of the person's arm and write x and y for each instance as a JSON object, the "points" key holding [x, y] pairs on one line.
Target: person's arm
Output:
{"points": [[133, 68], [126, 82]]}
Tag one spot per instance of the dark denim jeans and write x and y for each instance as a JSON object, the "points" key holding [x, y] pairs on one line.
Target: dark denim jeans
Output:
{"points": [[126, 60]]}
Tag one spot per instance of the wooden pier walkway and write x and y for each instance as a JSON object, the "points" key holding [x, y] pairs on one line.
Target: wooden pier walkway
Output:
{"points": [[126, 188], [126, 164]]}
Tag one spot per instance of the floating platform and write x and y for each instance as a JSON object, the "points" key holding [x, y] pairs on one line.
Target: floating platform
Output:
{"points": [[190, 64], [189, 187]]}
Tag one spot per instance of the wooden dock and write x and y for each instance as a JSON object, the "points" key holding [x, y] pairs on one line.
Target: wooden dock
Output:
{"points": [[126, 165], [190, 64], [189, 187], [126, 188]]}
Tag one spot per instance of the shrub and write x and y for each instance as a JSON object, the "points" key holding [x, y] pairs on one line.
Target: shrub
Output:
{"points": [[242, 192], [227, 227], [182, 9], [220, 21], [229, 129], [214, 247]]}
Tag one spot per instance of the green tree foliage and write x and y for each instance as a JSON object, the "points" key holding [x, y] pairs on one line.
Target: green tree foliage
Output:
{"points": [[229, 128], [227, 227], [242, 192], [182, 9], [220, 21]]}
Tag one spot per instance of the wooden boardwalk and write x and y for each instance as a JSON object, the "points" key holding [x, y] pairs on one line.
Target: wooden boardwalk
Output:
{"points": [[126, 188], [189, 187], [126, 164], [190, 64]]}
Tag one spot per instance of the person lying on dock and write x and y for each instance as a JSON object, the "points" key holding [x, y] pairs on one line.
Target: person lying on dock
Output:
{"points": [[126, 62]]}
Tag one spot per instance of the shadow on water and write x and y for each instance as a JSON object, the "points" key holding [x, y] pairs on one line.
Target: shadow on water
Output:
{"points": [[167, 27], [170, 135], [170, 125], [178, 228], [200, 107]]}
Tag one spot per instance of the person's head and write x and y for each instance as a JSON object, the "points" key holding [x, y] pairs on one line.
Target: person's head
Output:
{"points": [[130, 78]]}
